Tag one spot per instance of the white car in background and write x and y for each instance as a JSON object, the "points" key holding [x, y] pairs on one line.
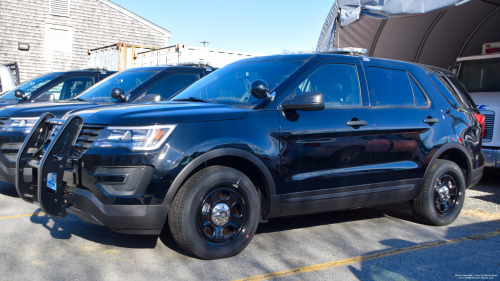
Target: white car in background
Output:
{"points": [[7, 80], [480, 75]]}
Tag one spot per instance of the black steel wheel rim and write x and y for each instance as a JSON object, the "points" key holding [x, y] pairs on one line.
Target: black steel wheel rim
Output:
{"points": [[446, 194], [222, 216]]}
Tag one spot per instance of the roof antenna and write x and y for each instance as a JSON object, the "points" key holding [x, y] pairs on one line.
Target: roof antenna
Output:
{"points": [[204, 42]]}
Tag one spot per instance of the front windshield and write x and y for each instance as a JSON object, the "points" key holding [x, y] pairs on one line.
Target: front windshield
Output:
{"points": [[231, 84], [480, 75], [30, 86], [127, 81]]}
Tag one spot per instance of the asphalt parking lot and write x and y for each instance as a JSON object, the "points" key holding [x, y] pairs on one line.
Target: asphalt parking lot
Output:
{"points": [[382, 243]]}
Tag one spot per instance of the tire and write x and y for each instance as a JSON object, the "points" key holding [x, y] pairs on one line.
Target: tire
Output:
{"points": [[440, 203], [215, 213]]}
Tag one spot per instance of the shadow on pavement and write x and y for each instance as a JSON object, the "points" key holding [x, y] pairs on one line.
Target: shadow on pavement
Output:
{"points": [[66, 228], [399, 211], [8, 189]]}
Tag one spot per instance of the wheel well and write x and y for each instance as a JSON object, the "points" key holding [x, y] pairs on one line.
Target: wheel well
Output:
{"points": [[246, 167], [457, 156]]}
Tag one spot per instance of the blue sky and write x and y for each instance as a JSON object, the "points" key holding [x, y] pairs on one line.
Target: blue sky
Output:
{"points": [[258, 26]]}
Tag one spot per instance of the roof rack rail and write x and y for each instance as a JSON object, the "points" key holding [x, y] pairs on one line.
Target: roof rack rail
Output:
{"points": [[91, 69], [346, 50], [199, 64]]}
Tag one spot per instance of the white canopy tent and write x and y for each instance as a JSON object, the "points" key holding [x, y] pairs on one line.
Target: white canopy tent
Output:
{"points": [[433, 32]]}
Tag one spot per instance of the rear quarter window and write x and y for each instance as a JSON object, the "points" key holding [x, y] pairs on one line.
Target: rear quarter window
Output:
{"points": [[449, 91]]}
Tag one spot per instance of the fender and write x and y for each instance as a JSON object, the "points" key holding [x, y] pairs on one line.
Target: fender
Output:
{"points": [[273, 199], [447, 147]]}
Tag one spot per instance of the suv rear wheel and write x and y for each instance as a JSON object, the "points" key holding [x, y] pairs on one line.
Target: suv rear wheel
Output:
{"points": [[215, 213], [441, 199]]}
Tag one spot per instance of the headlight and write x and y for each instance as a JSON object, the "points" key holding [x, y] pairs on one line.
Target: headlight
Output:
{"points": [[20, 124], [134, 138]]}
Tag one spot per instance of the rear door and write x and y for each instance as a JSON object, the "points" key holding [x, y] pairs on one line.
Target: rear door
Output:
{"points": [[409, 128], [325, 159]]}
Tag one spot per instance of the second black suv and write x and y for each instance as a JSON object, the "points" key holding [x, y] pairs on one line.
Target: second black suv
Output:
{"points": [[136, 85], [262, 138]]}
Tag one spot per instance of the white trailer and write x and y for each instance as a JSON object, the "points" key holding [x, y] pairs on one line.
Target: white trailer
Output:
{"points": [[480, 75], [183, 54]]}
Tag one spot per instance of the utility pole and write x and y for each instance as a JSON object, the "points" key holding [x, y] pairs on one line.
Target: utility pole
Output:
{"points": [[204, 42]]}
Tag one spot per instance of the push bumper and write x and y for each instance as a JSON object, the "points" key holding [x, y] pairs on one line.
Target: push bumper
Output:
{"points": [[491, 157], [129, 219]]}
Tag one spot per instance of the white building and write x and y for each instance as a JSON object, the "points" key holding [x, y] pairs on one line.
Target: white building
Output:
{"points": [[60, 32]]}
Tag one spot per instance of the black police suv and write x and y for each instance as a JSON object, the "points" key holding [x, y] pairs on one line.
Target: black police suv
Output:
{"points": [[55, 86], [261, 138], [145, 84]]}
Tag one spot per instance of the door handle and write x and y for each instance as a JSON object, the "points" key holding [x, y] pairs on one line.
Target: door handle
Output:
{"points": [[431, 120], [356, 123]]}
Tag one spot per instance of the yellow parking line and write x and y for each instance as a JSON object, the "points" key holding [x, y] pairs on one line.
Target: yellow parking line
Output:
{"points": [[20, 216], [379, 255]]}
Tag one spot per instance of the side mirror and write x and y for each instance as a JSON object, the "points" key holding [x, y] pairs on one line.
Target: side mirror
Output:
{"points": [[117, 93], [259, 89], [308, 101], [19, 93], [46, 98]]}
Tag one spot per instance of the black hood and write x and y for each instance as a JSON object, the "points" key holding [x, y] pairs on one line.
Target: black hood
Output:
{"points": [[159, 113], [36, 109]]}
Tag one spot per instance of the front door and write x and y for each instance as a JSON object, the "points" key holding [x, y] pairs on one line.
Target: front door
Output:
{"points": [[326, 154]]}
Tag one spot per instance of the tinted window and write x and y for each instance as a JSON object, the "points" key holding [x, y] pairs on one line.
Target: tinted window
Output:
{"points": [[389, 87], [339, 84], [466, 98], [420, 99], [447, 90], [481, 75], [172, 84], [70, 87], [231, 84]]}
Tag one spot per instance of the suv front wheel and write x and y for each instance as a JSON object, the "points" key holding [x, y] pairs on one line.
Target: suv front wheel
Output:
{"points": [[442, 196], [215, 213]]}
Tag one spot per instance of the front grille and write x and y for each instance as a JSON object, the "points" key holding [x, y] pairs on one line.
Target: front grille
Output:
{"points": [[87, 136], [490, 122], [3, 120]]}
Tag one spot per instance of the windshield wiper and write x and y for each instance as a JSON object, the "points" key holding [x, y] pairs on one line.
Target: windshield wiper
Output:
{"points": [[193, 99]]}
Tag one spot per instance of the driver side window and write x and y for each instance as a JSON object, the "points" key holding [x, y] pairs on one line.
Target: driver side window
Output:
{"points": [[339, 84]]}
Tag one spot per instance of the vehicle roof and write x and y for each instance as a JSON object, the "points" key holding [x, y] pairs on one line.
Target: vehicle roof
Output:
{"points": [[320, 56], [163, 68]]}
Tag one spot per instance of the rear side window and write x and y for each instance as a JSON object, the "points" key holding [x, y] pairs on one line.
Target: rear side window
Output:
{"points": [[389, 87], [448, 91], [467, 99]]}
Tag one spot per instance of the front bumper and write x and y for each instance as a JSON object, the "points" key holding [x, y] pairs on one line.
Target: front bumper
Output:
{"points": [[491, 157], [10, 143], [129, 219]]}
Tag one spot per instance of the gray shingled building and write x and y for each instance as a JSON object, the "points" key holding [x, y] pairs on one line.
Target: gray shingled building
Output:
{"points": [[59, 32]]}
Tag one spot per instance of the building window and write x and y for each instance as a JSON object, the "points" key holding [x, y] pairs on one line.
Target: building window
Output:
{"points": [[58, 39], [59, 8]]}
